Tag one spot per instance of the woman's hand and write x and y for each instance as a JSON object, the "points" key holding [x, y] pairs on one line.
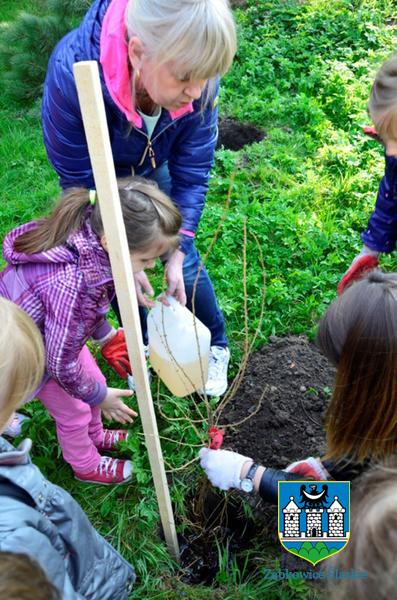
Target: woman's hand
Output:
{"points": [[114, 408], [174, 275], [143, 288]]}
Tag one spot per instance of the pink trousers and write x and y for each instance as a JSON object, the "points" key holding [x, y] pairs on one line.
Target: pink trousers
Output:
{"points": [[79, 426]]}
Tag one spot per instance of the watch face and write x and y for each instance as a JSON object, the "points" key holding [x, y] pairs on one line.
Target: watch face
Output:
{"points": [[247, 485]]}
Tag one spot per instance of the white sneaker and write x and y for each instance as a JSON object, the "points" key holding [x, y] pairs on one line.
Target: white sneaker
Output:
{"points": [[217, 371], [15, 427], [130, 378]]}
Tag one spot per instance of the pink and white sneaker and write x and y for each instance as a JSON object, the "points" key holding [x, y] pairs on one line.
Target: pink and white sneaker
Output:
{"points": [[15, 426], [112, 438], [109, 471]]}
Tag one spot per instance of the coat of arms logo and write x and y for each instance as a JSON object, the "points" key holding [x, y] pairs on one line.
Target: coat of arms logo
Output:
{"points": [[314, 518]]}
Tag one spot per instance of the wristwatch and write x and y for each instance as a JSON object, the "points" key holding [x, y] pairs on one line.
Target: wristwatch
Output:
{"points": [[247, 484]]}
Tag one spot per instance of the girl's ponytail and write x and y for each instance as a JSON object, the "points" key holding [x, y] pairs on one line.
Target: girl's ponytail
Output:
{"points": [[150, 217], [54, 230]]}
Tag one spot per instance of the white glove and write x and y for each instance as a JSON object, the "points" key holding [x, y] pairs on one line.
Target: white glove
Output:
{"points": [[223, 467]]}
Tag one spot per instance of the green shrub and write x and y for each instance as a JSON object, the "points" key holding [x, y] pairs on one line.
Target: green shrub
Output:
{"points": [[26, 45]]}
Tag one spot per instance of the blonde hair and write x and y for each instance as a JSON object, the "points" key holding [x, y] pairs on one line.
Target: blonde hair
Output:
{"points": [[382, 104], [199, 36], [372, 548], [22, 578], [21, 358]]}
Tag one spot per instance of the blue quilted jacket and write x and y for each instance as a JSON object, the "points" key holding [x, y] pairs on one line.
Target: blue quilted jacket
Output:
{"points": [[57, 534], [381, 232], [185, 138]]}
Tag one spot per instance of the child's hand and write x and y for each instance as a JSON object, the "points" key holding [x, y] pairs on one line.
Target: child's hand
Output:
{"points": [[309, 468], [115, 352], [114, 408], [366, 261], [143, 289], [223, 468]]}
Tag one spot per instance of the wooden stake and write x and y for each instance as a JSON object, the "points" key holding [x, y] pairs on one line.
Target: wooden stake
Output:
{"points": [[94, 118]]}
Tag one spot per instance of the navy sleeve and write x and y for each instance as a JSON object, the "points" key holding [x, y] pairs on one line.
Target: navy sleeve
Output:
{"points": [[63, 129], [381, 231], [190, 164]]}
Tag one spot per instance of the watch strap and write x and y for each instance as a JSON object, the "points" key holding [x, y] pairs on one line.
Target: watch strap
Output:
{"points": [[251, 471]]}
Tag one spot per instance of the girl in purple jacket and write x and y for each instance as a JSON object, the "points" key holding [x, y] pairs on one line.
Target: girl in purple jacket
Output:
{"points": [[59, 273], [159, 64]]}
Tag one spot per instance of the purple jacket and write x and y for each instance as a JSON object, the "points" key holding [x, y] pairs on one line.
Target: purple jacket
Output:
{"points": [[381, 232], [66, 291]]}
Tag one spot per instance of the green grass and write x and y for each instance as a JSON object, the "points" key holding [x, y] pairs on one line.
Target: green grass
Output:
{"points": [[303, 73]]}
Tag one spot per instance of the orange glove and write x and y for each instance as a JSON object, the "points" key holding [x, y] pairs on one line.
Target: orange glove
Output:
{"points": [[309, 468], [116, 354], [359, 267]]}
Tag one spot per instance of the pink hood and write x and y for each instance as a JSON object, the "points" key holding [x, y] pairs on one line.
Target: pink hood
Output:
{"points": [[114, 61], [58, 254]]}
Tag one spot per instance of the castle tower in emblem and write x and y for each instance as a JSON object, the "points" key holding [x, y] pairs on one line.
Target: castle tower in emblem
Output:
{"points": [[313, 522], [335, 519], [291, 519]]}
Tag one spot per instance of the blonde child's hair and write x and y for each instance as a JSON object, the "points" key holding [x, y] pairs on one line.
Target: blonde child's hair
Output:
{"points": [[382, 104], [21, 358], [198, 36], [372, 548], [22, 578]]}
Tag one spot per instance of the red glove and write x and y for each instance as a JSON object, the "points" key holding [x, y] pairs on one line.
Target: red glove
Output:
{"points": [[362, 265], [310, 468], [116, 354], [371, 131]]}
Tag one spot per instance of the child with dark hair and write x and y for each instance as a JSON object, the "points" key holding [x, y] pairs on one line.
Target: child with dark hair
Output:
{"points": [[59, 273], [37, 518], [358, 334]]}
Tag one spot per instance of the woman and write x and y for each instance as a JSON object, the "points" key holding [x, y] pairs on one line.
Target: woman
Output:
{"points": [[159, 65]]}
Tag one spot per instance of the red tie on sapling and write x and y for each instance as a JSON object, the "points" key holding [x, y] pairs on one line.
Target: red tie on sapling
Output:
{"points": [[216, 436]]}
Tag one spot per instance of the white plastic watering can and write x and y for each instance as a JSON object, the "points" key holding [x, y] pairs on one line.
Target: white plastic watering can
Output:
{"points": [[179, 346]]}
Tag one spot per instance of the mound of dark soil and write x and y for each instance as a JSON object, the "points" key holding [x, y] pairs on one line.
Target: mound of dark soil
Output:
{"points": [[288, 426], [234, 135]]}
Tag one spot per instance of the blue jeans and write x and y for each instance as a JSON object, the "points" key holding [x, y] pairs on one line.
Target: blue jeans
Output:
{"points": [[206, 306]]}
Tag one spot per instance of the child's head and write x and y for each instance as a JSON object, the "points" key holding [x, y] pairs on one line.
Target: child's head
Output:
{"points": [[382, 104], [21, 359], [358, 333], [21, 578], [372, 548], [151, 221], [194, 39]]}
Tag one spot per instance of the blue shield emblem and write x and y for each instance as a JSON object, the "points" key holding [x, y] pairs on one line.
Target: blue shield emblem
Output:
{"points": [[314, 518]]}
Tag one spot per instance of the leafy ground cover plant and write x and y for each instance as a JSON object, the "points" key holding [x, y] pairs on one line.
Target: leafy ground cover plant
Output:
{"points": [[302, 73]]}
